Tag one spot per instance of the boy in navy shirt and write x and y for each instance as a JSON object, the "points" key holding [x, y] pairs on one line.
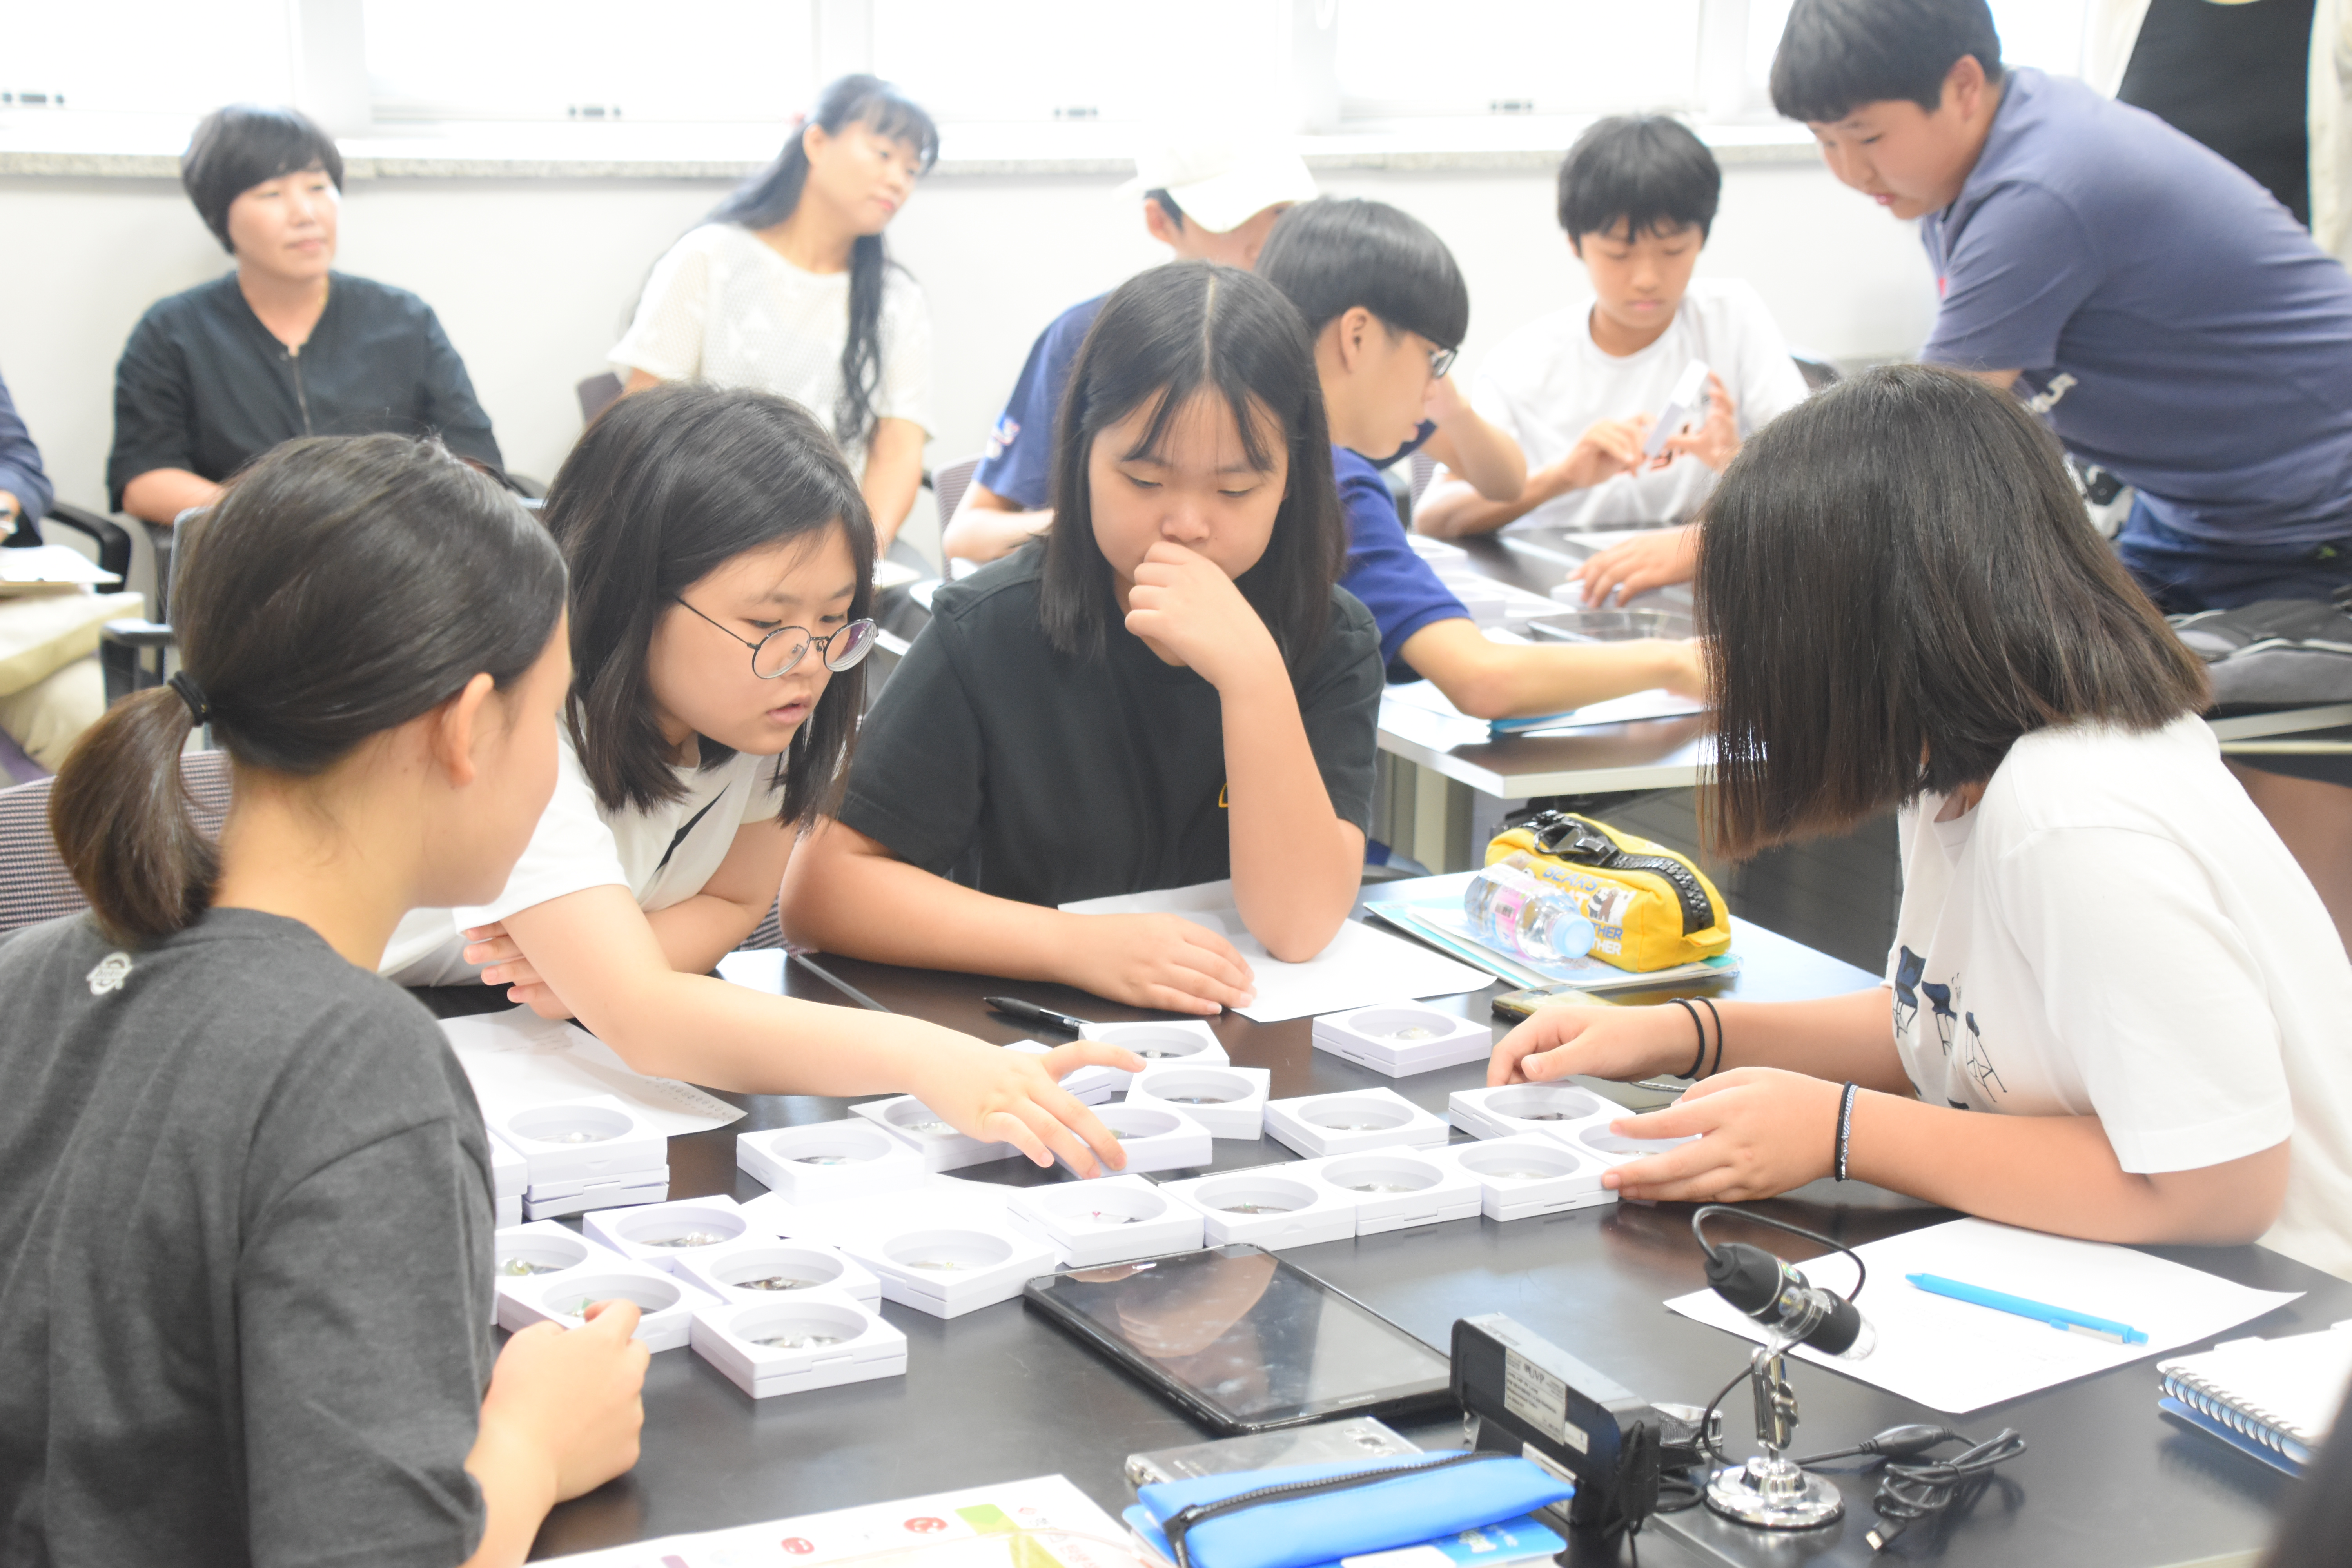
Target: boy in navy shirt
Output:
{"points": [[2169, 318], [1386, 305], [1210, 201]]}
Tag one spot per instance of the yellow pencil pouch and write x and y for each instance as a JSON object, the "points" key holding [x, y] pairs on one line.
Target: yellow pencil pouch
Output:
{"points": [[1650, 908]]}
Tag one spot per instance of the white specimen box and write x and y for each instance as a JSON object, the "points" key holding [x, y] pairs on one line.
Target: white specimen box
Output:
{"points": [[659, 1236], [1395, 1189], [1529, 1174], [1154, 1137], [940, 1146], [1400, 1039], [1596, 1142], [582, 1141], [824, 1161], [666, 1304], [1513, 1109], [1091, 1085], [624, 1191], [947, 1270], [760, 1268], [1269, 1205], [1115, 1220], [519, 1253], [509, 1175], [1352, 1119], [1230, 1101], [1186, 1040], [816, 1340]]}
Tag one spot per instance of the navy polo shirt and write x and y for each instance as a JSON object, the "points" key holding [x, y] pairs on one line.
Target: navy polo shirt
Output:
{"points": [[2172, 321], [1019, 462], [1398, 587]]}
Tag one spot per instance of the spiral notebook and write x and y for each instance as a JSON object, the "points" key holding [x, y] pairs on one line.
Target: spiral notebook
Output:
{"points": [[2274, 1399]]}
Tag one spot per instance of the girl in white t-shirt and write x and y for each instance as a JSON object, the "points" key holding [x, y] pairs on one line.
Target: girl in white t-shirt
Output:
{"points": [[721, 569], [2114, 1007], [786, 287]]}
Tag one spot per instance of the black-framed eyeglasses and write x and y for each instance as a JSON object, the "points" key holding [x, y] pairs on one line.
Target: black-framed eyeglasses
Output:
{"points": [[1441, 360], [775, 655]]}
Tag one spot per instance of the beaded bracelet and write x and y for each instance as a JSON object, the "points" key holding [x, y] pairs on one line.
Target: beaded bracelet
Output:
{"points": [[1844, 1127], [1699, 1060]]}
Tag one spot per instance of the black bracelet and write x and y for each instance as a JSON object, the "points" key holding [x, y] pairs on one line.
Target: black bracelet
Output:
{"points": [[1844, 1127], [1718, 1035], [1699, 1060]]}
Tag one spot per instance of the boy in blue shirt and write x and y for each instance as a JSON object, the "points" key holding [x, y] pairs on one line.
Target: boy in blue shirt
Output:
{"points": [[1206, 201], [1386, 305], [2169, 318]]}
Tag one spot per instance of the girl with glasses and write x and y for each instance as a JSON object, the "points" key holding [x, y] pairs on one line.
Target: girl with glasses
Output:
{"points": [[722, 564]]}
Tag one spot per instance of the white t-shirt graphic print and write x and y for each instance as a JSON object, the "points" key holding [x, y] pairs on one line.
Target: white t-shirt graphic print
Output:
{"points": [[2115, 931]]}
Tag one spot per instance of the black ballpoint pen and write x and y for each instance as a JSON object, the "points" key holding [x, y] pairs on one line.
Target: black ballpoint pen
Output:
{"points": [[1029, 1013]]}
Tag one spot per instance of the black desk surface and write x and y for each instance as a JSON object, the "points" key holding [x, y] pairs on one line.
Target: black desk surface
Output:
{"points": [[997, 1394]]}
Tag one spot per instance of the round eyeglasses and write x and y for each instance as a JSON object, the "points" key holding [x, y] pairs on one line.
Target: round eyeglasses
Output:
{"points": [[775, 655]]}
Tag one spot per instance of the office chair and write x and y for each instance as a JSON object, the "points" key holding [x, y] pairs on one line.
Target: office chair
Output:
{"points": [[34, 883], [598, 393]]}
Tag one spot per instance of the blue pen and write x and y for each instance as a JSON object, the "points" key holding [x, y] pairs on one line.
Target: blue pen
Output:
{"points": [[2056, 1316]]}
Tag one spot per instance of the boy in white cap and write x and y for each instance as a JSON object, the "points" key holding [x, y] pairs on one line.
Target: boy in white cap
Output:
{"points": [[1206, 200]]}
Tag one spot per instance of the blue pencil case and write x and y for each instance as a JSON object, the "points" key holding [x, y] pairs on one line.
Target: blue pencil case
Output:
{"points": [[1303, 1515]]}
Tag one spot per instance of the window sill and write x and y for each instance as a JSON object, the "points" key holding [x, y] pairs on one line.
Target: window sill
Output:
{"points": [[72, 145]]}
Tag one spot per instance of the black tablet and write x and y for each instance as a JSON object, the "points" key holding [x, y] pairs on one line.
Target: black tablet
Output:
{"points": [[1244, 1341]]}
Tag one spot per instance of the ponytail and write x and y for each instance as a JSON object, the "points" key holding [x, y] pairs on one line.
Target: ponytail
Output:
{"points": [[340, 587], [124, 825]]}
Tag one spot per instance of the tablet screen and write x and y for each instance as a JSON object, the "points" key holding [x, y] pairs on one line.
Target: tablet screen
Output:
{"points": [[1246, 1338]]}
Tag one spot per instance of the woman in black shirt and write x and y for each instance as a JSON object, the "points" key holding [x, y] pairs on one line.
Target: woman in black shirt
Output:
{"points": [[283, 346]]}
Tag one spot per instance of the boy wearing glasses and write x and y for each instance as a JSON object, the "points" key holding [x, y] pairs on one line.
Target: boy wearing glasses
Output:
{"points": [[1582, 389], [1386, 305], [1206, 199]]}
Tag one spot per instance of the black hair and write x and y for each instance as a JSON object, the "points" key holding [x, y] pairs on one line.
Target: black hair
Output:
{"points": [[1335, 253], [1162, 338], [1838, 55], [1646, 171], [668, 485], [1899, 569], [1167, 205], [773, 195], [341, 587], [248, 144]]}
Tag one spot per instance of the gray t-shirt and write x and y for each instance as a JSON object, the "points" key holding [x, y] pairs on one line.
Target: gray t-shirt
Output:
{"points": [[244, 1256]]}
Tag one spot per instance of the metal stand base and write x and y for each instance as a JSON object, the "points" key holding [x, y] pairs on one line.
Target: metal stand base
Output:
{"points": [[1774, 1494]]}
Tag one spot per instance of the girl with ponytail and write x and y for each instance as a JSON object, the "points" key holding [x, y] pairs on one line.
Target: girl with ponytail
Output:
{"points": [[785, 287], [245, 1255]]}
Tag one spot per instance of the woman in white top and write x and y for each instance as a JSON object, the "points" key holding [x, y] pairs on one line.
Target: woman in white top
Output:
{"points": [[721, 569], [786, 287], [2114, 1007]]}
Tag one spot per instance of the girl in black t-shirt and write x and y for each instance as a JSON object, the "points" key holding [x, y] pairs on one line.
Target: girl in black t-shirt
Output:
{"points": [[1168, 690]]}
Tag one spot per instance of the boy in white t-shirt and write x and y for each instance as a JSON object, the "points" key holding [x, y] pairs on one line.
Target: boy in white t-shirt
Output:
{"points": [[2114, 1007], [1581, 389]]}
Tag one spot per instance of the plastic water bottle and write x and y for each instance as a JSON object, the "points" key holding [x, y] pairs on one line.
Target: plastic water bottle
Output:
{"points": [[1516, 911]]}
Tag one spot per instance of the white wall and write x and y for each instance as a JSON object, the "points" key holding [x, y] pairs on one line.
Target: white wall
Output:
{"points": [[533, 279]]}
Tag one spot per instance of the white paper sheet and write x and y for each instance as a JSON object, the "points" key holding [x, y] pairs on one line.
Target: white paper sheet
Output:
{"points": [[1361, 966], [516, 1059], [1956, 1357], [755, 968], [51, 564], [1635, 706], [950, 1530]]}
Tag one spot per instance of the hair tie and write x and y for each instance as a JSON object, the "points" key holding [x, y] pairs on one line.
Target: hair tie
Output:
{"points": [[199, 708]]}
